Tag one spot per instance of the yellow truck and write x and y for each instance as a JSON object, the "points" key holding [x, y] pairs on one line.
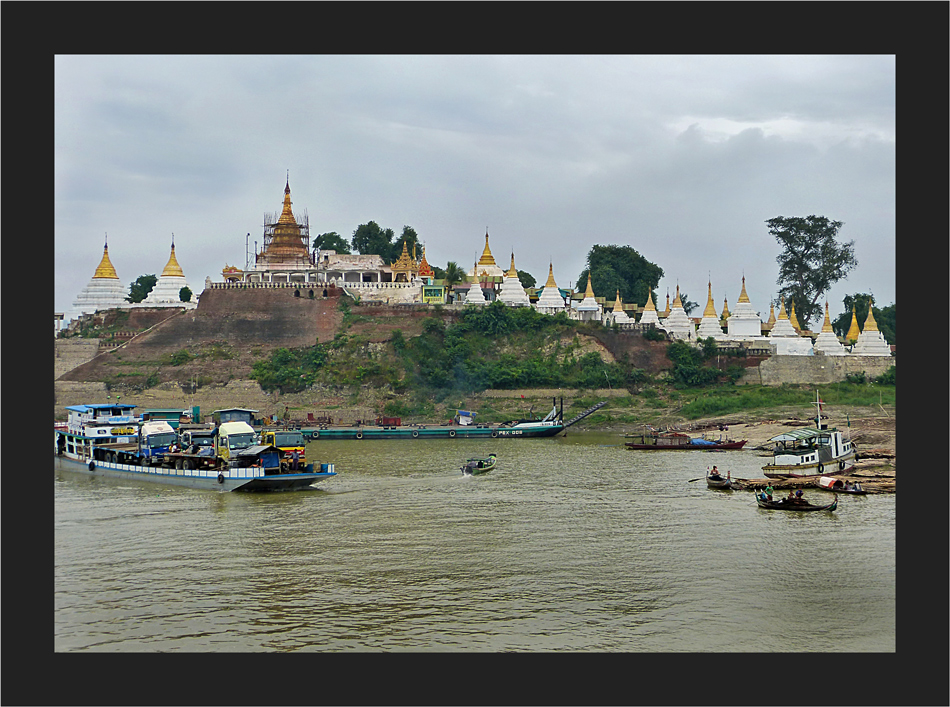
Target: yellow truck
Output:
{"points": [[288, 442]]}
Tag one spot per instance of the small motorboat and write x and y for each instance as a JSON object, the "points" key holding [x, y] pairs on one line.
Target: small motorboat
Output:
{"points": [[829, 483], [473, 467], [792, 504]]}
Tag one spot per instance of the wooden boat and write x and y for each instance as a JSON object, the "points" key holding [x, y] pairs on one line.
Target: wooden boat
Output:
{"points": [[829, 483], [784, 504], [653, 440], [477, 466], [810, 451], [717, 481]]}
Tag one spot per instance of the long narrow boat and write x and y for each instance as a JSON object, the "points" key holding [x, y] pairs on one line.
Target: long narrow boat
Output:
{"points": [[665, 441], [477, 466], [783, 504]]}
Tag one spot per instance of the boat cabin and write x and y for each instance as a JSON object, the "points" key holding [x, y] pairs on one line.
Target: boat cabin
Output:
{"points": [[233, 415], [173, 416], [102, 420], [810, 445]]}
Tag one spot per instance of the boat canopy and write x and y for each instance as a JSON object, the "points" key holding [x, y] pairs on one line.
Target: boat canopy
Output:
{"points": [[827, 482], [798, 435]]}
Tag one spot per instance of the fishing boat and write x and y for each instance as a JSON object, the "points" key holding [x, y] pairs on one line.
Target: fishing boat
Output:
{"points": [[715, 480], [88, 442], [810, 451], [786, 504], [477, 466], [662, 441], [829, 483]]}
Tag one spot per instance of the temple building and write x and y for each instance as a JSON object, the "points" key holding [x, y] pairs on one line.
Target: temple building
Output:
{"points": [[405, 269], [709, 326], [104, 290], [512, 291], [649, 315], [617, 315], [550, 300], [827, 343], [785, 340], [744, 323], [588, 310], [167, 290], [871, 342], [678, 324]]}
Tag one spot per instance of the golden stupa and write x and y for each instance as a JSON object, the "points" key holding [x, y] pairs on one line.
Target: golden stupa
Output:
{"points": [[105, 269], [286, 243], [710, 310], [172, 268]]}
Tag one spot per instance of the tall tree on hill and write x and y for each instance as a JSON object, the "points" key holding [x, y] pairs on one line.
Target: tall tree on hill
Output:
{"points": [[370, 239], [331, 241], [614, 267], [811, 261], [139, 289]]}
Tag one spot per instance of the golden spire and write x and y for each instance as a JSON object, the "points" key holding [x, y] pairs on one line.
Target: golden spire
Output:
{"points": [[649, 304], [677, 302], [710, 310], [486, 258], [853, 332], [725, 308], [827, 325], [743, 297], [172, 268], [771, 322], [105, 271], [425, 270], [287, 215], [869, 323], [618, 305], [794, 320], [781, 311], [590, 290], [666, 312], [550, 282], [404, 263], [512, 272]]}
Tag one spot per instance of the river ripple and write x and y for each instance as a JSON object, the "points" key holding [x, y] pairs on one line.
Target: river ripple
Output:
{"points": [[570, 544]]}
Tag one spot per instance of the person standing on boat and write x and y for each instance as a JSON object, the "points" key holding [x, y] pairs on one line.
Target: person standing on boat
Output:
{"points": [[768, 491], [295, 460]]}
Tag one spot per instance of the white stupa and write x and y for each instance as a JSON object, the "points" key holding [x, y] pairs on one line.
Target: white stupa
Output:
{"points": [[588, 309], [709, 326], [871, 341], [827, 343], [550, 301], [104, 291], [475, 294], [649, 315], [617, 315], [744, 323], [785, 340], [167, 290], [678, 324], [512, 292]]}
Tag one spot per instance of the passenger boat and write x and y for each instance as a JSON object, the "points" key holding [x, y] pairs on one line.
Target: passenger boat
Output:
{"points": [[829, 483], [654, 440], [785, 504], [810, 451], [477, 466], [86, 445]]}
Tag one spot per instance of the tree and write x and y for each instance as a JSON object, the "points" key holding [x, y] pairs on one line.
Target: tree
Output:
{"points": [[185, 293], [139, 289], [526, 279], [331, 241], [454, 274], [370, 239], [614, 267], [811, 261]]}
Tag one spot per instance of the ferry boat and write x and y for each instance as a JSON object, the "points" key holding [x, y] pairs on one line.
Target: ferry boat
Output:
{"points": [[89, 440], [811, 451]]}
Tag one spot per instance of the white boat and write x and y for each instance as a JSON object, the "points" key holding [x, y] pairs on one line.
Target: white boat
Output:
{"points": [[86, 445], [810, 451]]}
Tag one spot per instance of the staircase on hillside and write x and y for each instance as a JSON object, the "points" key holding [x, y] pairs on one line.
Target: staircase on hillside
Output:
{"points": [[584, 414]]}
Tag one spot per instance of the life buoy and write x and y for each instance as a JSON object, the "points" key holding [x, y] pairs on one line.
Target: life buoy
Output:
{"points": [[92, 466], [359, 435], [494, 433], [220, 478], [451, 433], [415, 433], [315, 434]]}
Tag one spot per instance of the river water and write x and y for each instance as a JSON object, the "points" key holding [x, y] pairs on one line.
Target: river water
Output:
{"points": [[570, 544]]}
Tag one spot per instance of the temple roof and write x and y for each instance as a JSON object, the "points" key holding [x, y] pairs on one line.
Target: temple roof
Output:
{"points": [[677, 302], [618, 305], [487, 258], [286, 214], [793, 319], [869, 323], [550, 282], [853, 332], [710, 310], [725, 308], [425, 270], [404, 262], [649, 305], [105, 269], [512, 272], [743, 297], [827, 325]]}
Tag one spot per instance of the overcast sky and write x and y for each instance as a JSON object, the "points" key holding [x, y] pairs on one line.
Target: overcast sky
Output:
{"points": [[683, 158]]}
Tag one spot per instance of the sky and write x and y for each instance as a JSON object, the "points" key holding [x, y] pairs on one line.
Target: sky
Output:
{"points": [[683, 158]]}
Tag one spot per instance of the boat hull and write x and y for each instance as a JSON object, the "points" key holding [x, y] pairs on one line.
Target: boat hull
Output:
{"points": [[718, 483], [762, 502], [454, 432], [718, 447], [816, 469], [225, 481]]}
